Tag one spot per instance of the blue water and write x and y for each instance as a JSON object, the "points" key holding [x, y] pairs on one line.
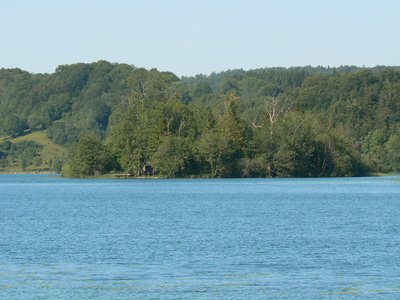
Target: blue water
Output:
{"points": [[199, 239]]}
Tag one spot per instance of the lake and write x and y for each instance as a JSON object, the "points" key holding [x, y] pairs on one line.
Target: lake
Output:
{"points": [[199, 238]]}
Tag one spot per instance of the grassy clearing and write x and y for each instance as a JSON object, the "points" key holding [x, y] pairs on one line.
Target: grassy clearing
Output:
{"points": [[48, 154], [49, 149]]}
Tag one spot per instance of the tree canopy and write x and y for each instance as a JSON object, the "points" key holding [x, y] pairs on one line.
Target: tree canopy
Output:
{"points": [[271, 122]]}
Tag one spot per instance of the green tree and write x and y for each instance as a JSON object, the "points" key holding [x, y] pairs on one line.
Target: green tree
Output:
{"points": [[174, 157], [89, 158], [392, 150], [223, 146]]}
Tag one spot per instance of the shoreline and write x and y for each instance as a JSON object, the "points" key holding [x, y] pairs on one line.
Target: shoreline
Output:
{"points": [[124, 177], [27, 173]]}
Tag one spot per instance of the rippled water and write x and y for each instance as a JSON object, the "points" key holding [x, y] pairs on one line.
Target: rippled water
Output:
{"points": [[199, 239]]}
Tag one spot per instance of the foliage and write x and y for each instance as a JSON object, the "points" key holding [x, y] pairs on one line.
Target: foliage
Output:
{"points": [[43, 154], [89, 158], [19, 154], [275, 122]]}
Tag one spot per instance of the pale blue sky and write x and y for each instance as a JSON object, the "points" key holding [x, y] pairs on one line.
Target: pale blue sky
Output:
{"points": [[191, 37]]}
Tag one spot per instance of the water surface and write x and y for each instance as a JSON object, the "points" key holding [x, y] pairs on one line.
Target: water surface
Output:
{"points": [[199, 239]]}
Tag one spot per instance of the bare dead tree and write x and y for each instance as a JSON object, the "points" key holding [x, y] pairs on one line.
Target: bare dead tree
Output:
{"points": [[275, 107], [254, 125], [181, 126]]}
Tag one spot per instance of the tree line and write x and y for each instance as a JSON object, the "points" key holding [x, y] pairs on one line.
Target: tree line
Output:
{"points": [[273, 122]]}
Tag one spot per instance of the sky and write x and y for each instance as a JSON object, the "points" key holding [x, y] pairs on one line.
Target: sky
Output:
{"points": [[190, 37]]}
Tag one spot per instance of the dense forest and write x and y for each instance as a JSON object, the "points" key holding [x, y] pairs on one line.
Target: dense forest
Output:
{"points": [[270, 122]]}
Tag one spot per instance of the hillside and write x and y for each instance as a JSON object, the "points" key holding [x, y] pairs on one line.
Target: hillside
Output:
{"points": [[301, 121], [33, 152]]}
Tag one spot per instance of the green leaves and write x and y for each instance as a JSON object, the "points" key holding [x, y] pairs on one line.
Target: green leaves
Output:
{"points": [[174, 157], [89, 158], [288, 122]]}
